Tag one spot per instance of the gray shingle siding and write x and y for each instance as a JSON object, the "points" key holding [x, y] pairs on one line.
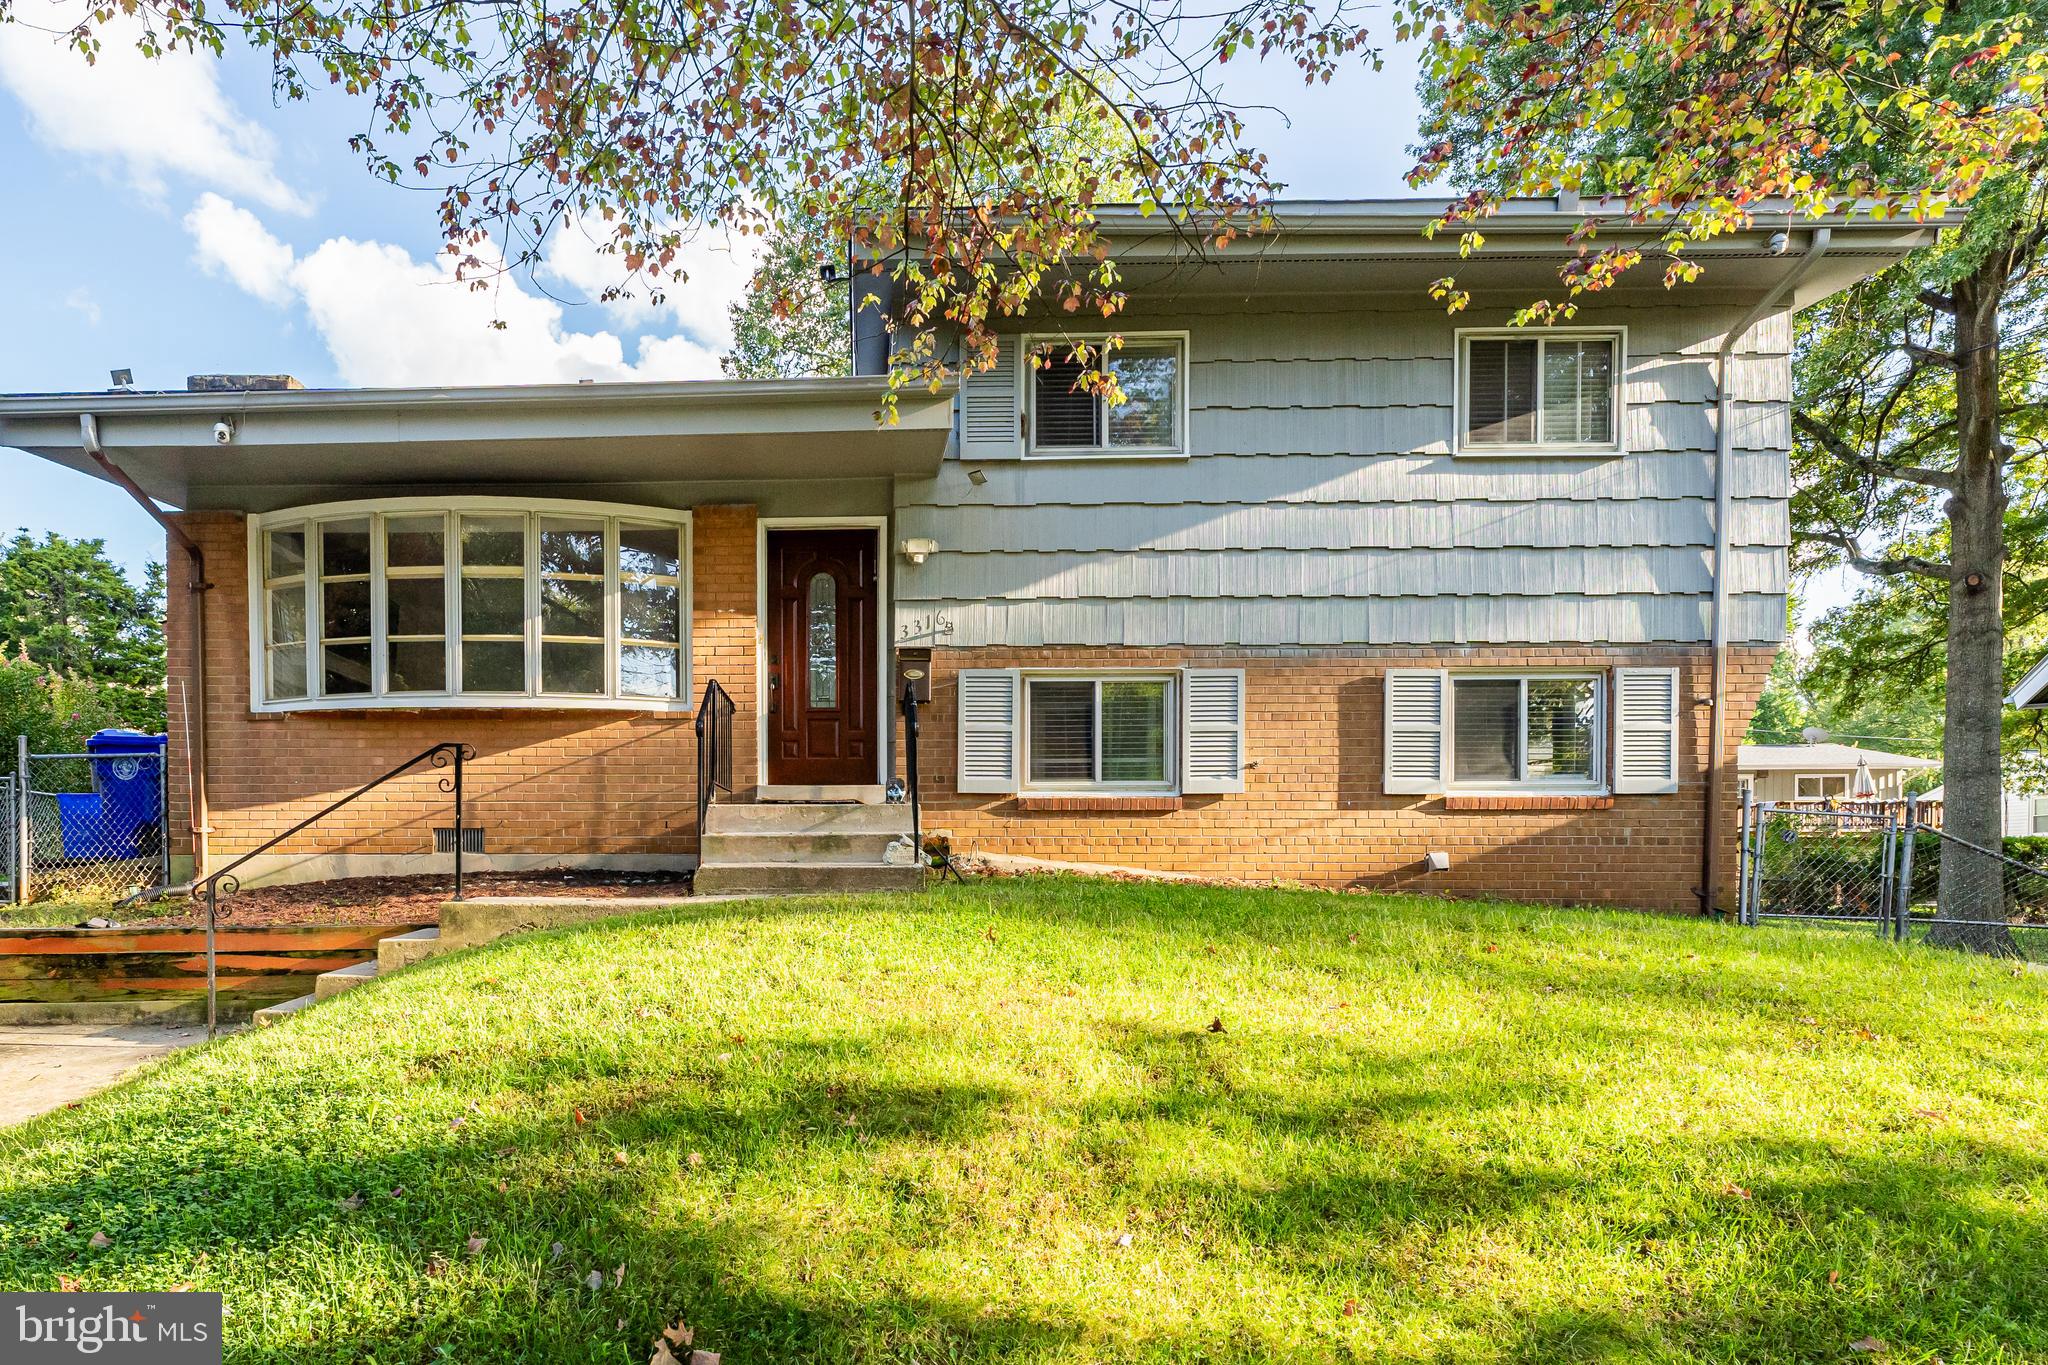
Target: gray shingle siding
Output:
{"points": [[1320, 504]]}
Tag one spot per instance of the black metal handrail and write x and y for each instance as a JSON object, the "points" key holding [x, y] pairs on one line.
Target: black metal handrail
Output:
{"points": [[714, 748], [449, 754], [910, 769]]}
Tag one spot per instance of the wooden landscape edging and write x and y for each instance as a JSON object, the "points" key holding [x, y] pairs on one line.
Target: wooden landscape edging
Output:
{"points": [[255, 966]]}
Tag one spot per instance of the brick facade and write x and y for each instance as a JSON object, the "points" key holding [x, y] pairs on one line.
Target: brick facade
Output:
{"points": [[576, 783], [1313, 808], [568, 782]]}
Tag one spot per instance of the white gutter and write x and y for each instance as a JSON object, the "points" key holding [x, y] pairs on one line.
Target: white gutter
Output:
{"points": [[1724, 506], [202, 821]]}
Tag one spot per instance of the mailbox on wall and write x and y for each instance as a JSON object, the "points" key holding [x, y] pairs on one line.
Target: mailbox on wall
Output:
{"points": [[914, 670]]}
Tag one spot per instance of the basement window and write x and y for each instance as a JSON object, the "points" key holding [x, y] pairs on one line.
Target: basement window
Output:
{"points": [[1110, 733], [487, 602]]}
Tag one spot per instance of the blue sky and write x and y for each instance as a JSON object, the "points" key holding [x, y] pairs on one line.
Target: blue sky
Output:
{"points": [[186, 222]]}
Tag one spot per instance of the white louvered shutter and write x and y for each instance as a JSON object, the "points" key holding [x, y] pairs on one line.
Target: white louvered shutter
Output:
{"points": [[988, 729], [1212, 730], [990, 425], [1645, 730], [1416, 698]]}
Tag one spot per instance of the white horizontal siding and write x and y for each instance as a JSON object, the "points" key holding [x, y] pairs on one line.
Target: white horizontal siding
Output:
{"points": [[1320, 504], [1538, 524], [1513, 572], [1308, 622]]}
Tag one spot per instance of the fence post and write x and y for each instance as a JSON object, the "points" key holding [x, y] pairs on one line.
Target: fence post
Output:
{"points": [[1742, 861], [1899, 916], [24, 853]]}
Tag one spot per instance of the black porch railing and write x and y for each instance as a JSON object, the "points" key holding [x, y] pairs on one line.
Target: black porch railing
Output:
{"points": [[714, 748], [212, 888], [910, 770]]}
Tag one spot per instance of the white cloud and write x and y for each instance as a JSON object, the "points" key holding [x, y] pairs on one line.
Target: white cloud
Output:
{"points": [[232, 242], [81, 302], [717, 270], [152, 118], [388, 319]]}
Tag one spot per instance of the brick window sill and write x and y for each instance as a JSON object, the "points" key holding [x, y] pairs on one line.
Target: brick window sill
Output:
{"points": [[1532, 802], [1158, 805]]}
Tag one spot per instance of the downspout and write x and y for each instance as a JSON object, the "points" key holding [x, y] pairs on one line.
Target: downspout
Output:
{"points": [[1724, 503], [202, 821]]}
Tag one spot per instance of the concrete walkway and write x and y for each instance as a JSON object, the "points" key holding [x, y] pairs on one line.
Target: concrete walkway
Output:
{"points": [[47, 1066]]}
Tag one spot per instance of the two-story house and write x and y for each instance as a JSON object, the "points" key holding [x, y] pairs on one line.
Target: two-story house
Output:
{"points": [[1351, 590]]}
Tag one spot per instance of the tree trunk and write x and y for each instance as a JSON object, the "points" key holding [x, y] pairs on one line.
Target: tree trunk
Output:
{"points": [[1973, 883]]}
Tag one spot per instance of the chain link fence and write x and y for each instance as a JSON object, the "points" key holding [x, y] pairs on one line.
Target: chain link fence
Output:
{"points": [[1887, 873], [10, 835], [90, 828]]}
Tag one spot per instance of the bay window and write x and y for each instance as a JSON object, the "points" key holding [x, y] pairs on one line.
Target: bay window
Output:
{"points": [[485, 602]]}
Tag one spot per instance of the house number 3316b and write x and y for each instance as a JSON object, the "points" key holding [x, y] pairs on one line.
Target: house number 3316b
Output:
{"points": [[929, 623]]}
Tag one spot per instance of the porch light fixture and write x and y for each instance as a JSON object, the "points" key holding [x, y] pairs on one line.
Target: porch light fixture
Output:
{"points": [[916, 550]]}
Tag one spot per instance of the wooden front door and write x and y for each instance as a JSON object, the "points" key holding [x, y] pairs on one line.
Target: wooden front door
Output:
{"points": [[822, 605]]}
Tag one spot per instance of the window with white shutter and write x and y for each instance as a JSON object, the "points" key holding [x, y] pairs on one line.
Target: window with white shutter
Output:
{"points": [[1529, 390], [1108, 731], [988, 729], [1212, 730], [1415, 729], [1645, 730]]}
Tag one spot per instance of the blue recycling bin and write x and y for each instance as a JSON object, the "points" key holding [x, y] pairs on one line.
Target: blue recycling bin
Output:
{"points": [[127, 770]]}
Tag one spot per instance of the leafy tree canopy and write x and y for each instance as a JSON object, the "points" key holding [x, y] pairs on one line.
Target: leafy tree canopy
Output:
{"points": [[68, 610]]}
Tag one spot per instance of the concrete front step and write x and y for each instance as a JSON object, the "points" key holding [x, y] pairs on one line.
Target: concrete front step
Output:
{"points": [[776, 847], [406, 949], [870, 794], [327, 985], [806, 818], [270, 1014], [729, 879]]}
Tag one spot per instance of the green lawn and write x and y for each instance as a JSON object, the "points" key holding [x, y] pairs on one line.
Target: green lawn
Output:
{"points": [[995, 1122]]}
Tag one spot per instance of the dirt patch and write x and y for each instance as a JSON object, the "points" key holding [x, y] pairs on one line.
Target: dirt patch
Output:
{"points": [[402, 900]]}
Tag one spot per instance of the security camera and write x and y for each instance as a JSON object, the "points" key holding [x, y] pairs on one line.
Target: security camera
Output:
{"points": [[1779, 242], [223, 432]]}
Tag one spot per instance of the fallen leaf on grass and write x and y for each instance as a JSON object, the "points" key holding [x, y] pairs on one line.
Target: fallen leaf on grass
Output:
{"points": [[579, 1116], [66, 1285], [1216, 1024], [619, 1158], [1123, 1239], [1834, 1278], [555, 1251], [350, 1204], [398, 1191], [1734, 1191], [619, 1275], [1869, 1346], [1351, 1308], [476, 1244], [100, 1241], [437, 1266], [1929, 1114], [696, 1159], [1493, 947], [594, 1281]]}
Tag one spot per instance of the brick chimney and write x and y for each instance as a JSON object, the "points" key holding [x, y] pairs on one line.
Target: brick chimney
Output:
{"points": [[239, 383]]}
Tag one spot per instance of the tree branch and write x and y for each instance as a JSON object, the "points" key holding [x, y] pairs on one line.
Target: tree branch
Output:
{"points": [[1888, 567], [1832, 442], [1938, 301]]}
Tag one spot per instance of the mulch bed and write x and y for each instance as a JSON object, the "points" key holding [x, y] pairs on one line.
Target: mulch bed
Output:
{"points": [[404, 900]]}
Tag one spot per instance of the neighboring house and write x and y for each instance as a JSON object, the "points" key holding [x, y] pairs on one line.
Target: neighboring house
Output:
{"points": [[2021, 814], [1348, 582], [1826, 772]]}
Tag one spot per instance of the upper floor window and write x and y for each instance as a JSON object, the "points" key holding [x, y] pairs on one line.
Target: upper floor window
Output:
{"points": [[1068, 417], [1527, 391], [481, 602]]}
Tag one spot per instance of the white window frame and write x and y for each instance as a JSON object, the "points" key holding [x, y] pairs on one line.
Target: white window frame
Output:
{"points": [[1062, 344], [1523, 785], [1823, 779], [1171, 737], [1461, 371], [533, 510], [2037, 813]]}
